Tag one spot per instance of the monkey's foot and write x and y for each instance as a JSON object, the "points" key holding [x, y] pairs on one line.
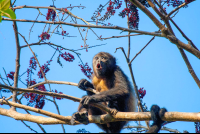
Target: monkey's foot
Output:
{"points": [[81, 117], [113, 112]]}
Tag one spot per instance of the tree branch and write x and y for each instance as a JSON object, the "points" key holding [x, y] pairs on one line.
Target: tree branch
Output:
{"points": [[17, 62], [165, 32], [90, 26], [118, 36], [101, 106], [182, 5], [120, 116], [141, 50], [163, 128]]}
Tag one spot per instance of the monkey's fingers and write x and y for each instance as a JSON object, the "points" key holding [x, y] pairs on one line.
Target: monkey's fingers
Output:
{"points": [[85, 101], [81, 117]]}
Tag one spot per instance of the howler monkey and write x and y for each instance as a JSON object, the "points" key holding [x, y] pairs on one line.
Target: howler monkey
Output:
{"points": [[115, 92]]}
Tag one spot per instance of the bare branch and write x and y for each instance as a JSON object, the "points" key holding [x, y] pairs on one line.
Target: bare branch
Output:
{"points": [[61, 82], [43, 74], [148, 13], [141, 50], [29, 127], [17, 62], [182, 5], [63, 118], [118, 36], [163, 128], [31, 118], [101, 106], [19, 101], [120, 116], [90, 26]]}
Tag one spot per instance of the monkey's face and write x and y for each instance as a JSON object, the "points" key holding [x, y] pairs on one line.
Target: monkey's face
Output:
{"points": [[103, 64]]}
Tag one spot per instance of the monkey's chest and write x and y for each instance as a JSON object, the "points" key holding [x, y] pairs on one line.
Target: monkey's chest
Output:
{"points": [[101, 86]]}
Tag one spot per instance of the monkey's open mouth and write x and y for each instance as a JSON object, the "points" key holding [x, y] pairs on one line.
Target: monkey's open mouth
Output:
{"points": [[99, 66]]}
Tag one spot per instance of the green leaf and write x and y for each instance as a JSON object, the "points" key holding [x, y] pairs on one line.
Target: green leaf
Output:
{"points": [[4, 5], [1, 1], [0, 18], [8, 13]]}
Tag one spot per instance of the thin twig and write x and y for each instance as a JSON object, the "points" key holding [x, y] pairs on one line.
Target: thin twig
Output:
{"points": [[141, 50], [54, 101], [19, 101], [163, 128], [32, 27], [182, 5], [29, 127], [6, 77], [119, 36], [35, 59]]}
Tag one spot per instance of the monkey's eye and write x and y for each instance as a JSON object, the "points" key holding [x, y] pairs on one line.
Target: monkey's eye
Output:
{"points": [[103, 57], [96, 58]]}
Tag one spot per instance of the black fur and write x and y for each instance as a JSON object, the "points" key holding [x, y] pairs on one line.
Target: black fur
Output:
{"points": [[119, 95], [156, 115]]}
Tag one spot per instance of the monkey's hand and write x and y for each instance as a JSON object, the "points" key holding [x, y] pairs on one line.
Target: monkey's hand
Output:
{"points": [[81, 117], [86, 100], [83, 84]]}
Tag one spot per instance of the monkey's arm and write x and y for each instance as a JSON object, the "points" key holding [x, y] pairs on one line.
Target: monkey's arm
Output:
{"points": [[120, 91]]}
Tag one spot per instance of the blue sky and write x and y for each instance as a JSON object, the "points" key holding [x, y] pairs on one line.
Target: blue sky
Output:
{"points": [[160, 68]]}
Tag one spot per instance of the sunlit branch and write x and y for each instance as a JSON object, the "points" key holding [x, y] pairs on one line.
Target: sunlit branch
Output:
{"points": [[120, 116]]}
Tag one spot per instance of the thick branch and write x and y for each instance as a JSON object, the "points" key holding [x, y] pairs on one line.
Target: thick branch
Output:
{"points": [[120, 116], [31, 118], [180, 44], [63, 118], [190, 43], [165, 31]]}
